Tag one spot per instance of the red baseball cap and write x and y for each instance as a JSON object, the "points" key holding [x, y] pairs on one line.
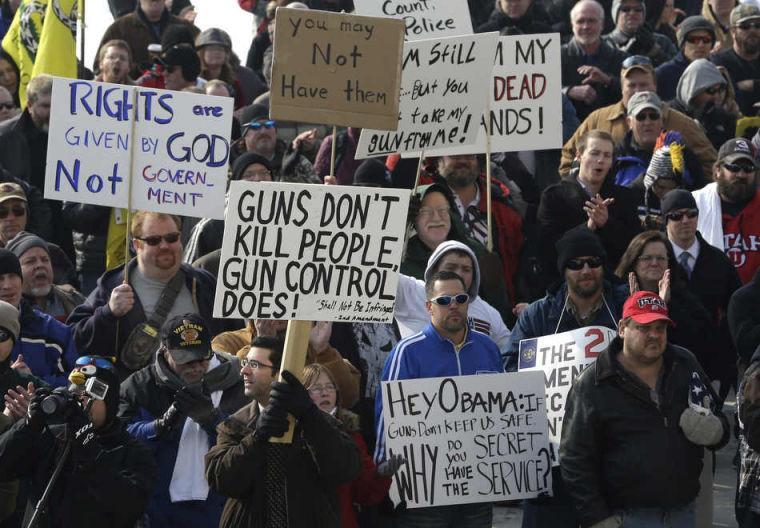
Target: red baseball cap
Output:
{"points": [[646, 307]]}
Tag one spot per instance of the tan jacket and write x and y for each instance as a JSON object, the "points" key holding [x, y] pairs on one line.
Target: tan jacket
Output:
{"points": [[612, 119], [723, 36], [346, 375]]}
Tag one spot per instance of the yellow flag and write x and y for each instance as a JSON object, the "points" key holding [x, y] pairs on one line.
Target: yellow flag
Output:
{"points": [[42, 39], [116, 240]]}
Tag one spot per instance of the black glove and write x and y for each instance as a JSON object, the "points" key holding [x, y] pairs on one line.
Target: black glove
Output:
{"points": [[168, 420], [291, 396], [272, 421], [35, 416], [196, 406]]}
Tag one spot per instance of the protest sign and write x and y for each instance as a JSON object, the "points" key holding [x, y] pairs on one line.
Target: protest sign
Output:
{"points": [[311, 252], [443, 95], [561, 358], [176, 144], [467, 439], [336, 69], [423, 19], [525, 98]]}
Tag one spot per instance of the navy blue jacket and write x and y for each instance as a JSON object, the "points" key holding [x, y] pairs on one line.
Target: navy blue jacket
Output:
{"points": [[668, 75]]}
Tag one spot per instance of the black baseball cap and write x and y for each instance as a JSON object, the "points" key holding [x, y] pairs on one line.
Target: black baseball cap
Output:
{"points": [[187, 338]]}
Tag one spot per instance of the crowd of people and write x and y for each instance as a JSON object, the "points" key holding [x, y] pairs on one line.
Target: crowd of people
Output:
{"points": [[127, 403]]}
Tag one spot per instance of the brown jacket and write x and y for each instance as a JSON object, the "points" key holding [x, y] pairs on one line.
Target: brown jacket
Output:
{"points": [[346, 375], [612, 119], [320, 458]]}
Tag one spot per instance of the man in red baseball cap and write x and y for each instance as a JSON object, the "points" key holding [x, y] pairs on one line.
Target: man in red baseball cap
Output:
{"points": [[635, 426]]}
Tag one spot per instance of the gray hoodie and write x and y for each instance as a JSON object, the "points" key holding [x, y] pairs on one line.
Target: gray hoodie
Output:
{"points": [[447, 246], [698, 76]]}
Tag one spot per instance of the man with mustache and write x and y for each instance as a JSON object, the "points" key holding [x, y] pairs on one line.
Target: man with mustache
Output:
{"points": [[122, 316], [729, 208]]}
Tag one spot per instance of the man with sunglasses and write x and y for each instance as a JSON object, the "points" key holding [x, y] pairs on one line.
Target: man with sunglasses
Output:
{"points": [[122, 316], [174, 405], [636, 76], [743, 60], [106, 476], [447, 346], [181, 67], [696, 38], [259, 135], [633, 36], [583, 298], [710, 276], [729, 208]]}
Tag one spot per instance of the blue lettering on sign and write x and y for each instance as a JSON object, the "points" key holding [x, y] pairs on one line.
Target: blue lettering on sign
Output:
{"points": [[94, 182], [107, 140], [178, 176], [148, 107], [201, 110], [98, 100], [212, 150]]}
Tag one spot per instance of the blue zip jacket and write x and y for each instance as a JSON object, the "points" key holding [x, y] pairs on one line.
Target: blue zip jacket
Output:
{"points": [[47, 346], [428, 355]]}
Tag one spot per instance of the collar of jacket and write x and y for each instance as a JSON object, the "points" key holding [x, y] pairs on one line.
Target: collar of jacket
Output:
{"points": [[161, 21], [608, 365], [430, 331], [602, 52]]}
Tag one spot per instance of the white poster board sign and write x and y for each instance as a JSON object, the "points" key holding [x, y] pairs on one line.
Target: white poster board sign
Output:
{"points": [[443, 93], [525, 97], [311, 252], [423, 19], [467, 439], [561, 358], [179, 141]]}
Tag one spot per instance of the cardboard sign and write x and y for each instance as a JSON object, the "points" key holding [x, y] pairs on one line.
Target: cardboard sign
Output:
{"points": [[423, 19], [443, 95], [336, 69], [525, 98], [179, 141], [467, 439], [562, 357], [311, 252]]}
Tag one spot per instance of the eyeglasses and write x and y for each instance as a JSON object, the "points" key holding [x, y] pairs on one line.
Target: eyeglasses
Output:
{"points": [[636, 60], [699, 39], [255, 365], [18, 210], [746, 26], [652, 116], [445, 300], [429, 211], [652, 258], [265, 124], [577, 264], [715, 90], [634, 9], [7, 106], [98, 361], [318, 389], [5, 335], [730, 167], [677, 215], [154, 240]]}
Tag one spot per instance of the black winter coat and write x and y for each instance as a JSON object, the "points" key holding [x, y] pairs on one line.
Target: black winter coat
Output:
{"points": [[744, 318], [535, 20], [620, 450]]}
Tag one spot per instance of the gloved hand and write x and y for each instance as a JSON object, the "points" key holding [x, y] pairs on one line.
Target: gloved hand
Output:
{"points": [[701, 429], [35, 416], [390, 466], [291, 396], [168, 420], [613, 521], [272, 421], [196, 406]]}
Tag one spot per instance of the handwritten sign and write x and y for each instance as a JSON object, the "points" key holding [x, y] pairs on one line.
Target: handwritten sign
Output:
{"points": [[423, 19], [443, 95], [311, 252], [336, 69], [562, 357], [179, 142], [525, 98], [468, 439]]}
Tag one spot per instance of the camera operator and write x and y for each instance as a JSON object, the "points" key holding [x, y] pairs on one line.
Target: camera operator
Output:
{"points": [[174, 405], [105, 476]]}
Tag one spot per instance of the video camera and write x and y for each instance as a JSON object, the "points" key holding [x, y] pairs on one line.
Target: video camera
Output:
{"points": [[62, 401]]}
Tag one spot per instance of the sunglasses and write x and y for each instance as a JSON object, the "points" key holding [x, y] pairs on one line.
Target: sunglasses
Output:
{"points": [[746, 26], [677, 215], [265, 124], [715, 90], [731, 167], [629, 9], [5, 335], [697, 39], [636, 60], [652, 116], [255, 365], [98, 361], [445, 300], [7, 106], [169, 238], [17, 211], [577, 264]]}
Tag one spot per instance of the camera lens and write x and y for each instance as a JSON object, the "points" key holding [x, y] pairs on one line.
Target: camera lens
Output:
{"points": [[53, 404]]}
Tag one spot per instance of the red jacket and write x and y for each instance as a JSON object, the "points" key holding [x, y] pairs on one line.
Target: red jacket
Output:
{"points": [[369, 488], [741, 239]]}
